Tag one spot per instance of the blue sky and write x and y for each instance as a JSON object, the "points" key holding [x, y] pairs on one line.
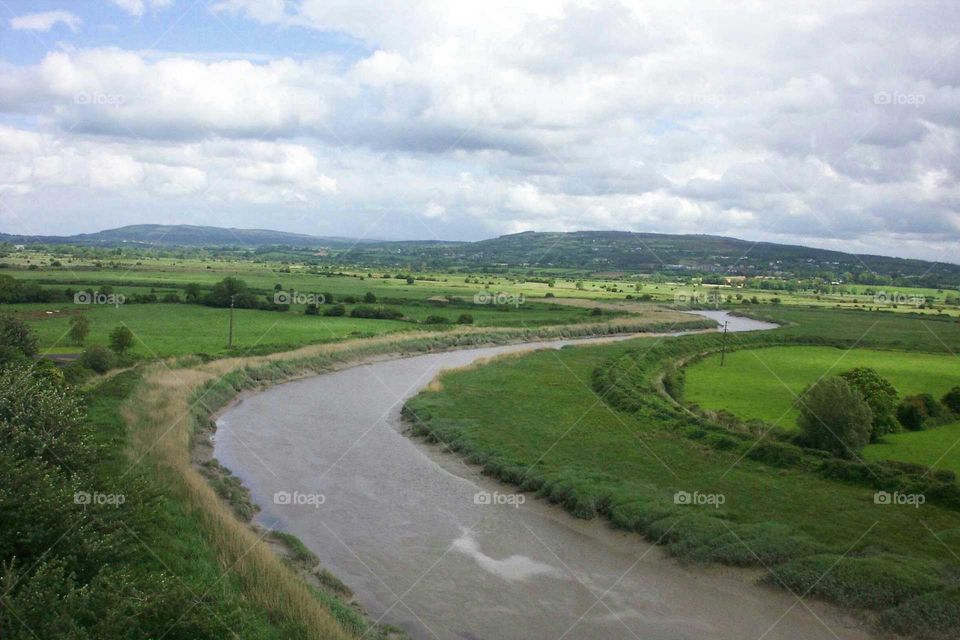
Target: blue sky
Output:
{"points": [[830, 125]]}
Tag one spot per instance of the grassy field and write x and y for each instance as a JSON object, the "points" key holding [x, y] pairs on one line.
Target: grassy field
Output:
{"points": [[763, 383], [938, 448]]}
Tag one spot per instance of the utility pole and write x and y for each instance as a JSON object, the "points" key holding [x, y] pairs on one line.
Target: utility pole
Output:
{"points": [[230, 335], [723, 347]]}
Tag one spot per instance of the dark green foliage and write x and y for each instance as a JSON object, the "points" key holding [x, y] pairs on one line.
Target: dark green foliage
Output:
{"points": [[97, 358], [335, 311], [777, 454], [465, 318], [369, 298], [879, 394], [951, 400], [434, 319], [79, 328], [834, 417], [16, 339], [914, 411], [312, 310]]}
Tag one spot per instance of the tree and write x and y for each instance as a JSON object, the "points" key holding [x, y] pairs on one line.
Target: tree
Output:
{"points": [[121, 339], [335, 311], [410, 280], [880, 394], [369, 298], [835, 417], [79, 329], [231, 288], [16, 339], [192, 292], [952, 400]]}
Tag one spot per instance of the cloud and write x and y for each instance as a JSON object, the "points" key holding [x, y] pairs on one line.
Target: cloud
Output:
{"points": [[138, 7], [45, 21]]}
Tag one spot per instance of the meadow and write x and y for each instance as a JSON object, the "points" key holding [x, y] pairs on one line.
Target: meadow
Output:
{"points": [[763, 384]]}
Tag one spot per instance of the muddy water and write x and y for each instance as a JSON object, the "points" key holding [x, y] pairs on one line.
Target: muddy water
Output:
{"points": [[400, 523]]}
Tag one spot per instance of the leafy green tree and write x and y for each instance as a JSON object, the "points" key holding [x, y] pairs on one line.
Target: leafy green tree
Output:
{"points": [[121, 339], [79, 329], [880, 394], [369, 298], [192, 292], [835, 417], [16, 339]]}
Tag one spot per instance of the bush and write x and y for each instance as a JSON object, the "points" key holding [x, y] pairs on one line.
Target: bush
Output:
{"points": [[879, 394], [834, 417], [436, 320], [465, 318], [952, 400], [914, 411], [931, 616], [335, 311], [369, 298], [312, 310], [776, 454], [97, 358]]}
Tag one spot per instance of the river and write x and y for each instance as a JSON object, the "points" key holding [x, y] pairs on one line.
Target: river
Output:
{"points": [[399, 522]]}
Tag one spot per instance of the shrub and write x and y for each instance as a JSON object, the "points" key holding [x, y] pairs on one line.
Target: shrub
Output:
{"points": [[465, 318], [312, 310], [952, 400], [383, 313], [834, 417], [911, 413], [369, 298], [436, 320], [777, 454], [879, 394], [914, 411], [335, 311], [96, 358]]}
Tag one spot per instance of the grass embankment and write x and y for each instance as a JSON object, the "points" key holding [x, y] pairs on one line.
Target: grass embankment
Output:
{"points": [[600, 439], [171, 407]]}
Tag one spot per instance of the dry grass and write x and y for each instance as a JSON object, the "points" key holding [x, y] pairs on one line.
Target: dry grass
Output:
{"points": [[161, 422]]}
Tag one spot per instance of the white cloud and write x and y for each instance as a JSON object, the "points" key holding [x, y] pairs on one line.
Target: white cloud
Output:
{"points": [[45, 21], [138, 7]]}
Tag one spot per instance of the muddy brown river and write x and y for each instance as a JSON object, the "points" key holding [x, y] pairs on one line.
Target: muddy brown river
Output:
{"points": [[428, 544]]}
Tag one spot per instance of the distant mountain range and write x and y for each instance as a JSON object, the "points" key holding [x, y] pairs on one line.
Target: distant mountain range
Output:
{"points": [[593, 251]]}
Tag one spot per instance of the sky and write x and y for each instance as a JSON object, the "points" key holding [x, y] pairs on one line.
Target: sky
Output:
{"points": [[830, 124]]}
